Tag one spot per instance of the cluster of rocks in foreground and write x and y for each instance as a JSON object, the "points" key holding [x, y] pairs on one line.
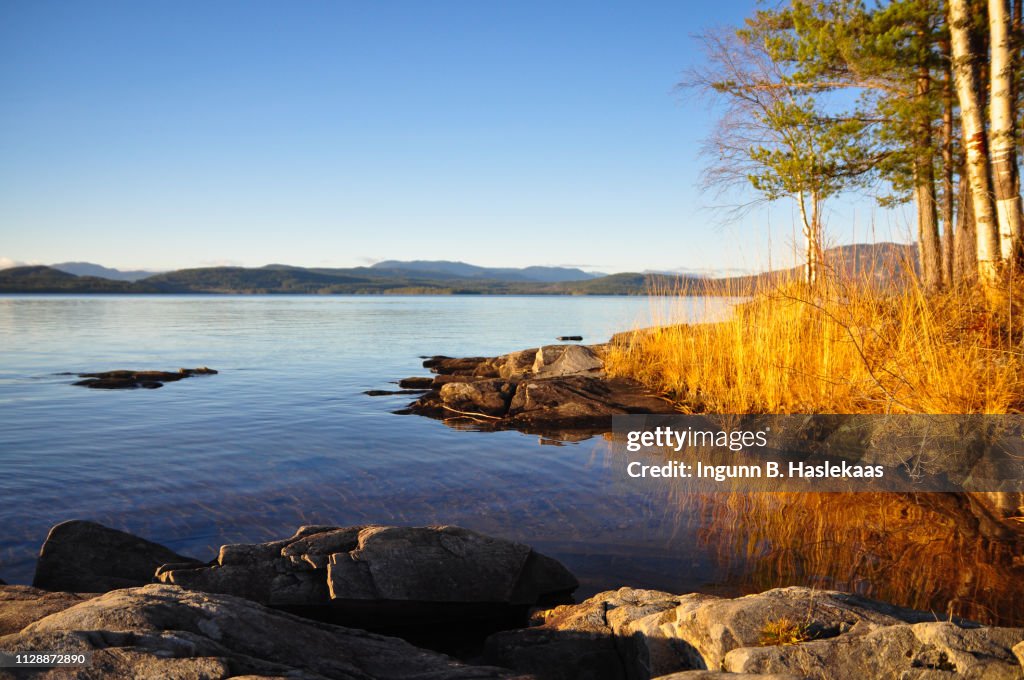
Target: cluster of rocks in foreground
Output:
{"points": [[556, 387], [271, 610]]}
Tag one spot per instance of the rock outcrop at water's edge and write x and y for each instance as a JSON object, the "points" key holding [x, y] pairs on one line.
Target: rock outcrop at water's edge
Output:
{"points": [[165, 630], [552, 389]]}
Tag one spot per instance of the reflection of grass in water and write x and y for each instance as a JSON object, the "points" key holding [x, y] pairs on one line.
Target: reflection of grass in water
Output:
{"points": [[927, 551]]}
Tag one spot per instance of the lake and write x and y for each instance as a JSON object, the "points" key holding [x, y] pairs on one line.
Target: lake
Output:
{"points": [[284, 436]]}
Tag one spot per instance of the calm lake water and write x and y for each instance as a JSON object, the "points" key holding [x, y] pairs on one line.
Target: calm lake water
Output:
{"points": [[284, 436]]}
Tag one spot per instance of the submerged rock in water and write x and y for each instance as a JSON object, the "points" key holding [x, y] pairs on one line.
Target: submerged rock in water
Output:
{"points": [[81, 556], [381, 576], [127, 380], [782, 633], [161, 631]]}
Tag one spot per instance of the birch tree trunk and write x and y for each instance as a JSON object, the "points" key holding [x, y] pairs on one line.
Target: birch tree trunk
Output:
{"points": [[1003, 149], [812, 235], [965, 60]]}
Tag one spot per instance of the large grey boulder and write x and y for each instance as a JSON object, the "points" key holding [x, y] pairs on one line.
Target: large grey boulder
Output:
{"points": [[159, 631], [86, 557], [634, 634], [339, 566], [553, 361]]}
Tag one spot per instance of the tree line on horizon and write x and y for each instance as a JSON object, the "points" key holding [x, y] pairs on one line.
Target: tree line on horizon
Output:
{"points": [[915, 101]]}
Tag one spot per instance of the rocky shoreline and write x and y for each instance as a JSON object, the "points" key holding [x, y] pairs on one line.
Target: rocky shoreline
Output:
{"points": [[283, 609], [555, 389]]}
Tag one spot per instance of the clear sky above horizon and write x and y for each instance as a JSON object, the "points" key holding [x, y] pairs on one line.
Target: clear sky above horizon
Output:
{"points": [[163, 135]]}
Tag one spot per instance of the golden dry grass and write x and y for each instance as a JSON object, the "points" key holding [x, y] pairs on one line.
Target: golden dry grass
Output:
{"points": [[784, 631], [842, 348]]}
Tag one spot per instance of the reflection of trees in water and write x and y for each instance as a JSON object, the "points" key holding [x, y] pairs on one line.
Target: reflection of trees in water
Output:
{"points": [[946, 552]]}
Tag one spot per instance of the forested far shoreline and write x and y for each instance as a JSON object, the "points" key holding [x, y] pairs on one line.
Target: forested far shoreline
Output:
{"points": [[885, 264]]}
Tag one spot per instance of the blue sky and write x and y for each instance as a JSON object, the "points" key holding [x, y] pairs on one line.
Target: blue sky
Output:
{"points": [[163, 135]]}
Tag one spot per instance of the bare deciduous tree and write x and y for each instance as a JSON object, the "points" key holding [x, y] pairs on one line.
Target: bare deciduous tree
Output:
{"points": [[772, 137]]}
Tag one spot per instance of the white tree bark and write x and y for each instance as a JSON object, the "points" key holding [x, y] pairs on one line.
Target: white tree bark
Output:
{"points": [[811, 227], [975, 142], [1002, 148]]}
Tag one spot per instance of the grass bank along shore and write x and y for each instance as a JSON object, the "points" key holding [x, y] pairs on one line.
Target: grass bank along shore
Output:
{"points": [[845, 347]]}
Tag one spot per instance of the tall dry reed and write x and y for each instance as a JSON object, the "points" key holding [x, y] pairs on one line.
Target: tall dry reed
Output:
{"points": [[845, 347]]}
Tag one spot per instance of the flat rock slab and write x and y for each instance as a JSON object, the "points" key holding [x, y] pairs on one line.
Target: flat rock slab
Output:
{"points": [[161, 631], [934, 650], [86, 557], [22, 605], [556, 390], [129, 380]]}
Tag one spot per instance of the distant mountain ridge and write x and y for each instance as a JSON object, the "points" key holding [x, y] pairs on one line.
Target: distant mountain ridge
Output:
{"points": [[90, 269], [471, 271], [884, 264]]}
